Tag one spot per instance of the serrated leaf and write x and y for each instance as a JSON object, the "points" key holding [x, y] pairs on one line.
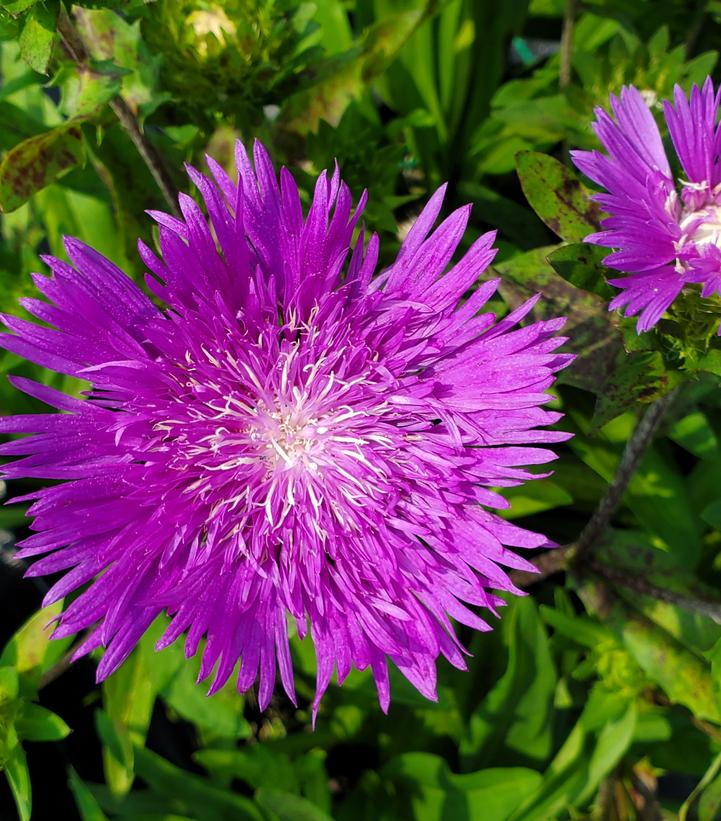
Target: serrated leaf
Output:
{"points": [[557, 195], [37, 162], [37, 38]]}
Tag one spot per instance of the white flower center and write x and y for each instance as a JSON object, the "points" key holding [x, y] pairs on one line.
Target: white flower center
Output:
{"points": [[705, 232], [291, 438]]}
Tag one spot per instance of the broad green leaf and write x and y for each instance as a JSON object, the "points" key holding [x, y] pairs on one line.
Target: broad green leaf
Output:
{"points": [[36, 723], [557, 195], [425, 785], [596, 744], [512, 722], [18, 776], [38, 161], [37, 38], [31, 651], [582, 266], [288, 807]]}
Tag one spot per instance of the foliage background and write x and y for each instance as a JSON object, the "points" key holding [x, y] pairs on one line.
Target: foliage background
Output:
{"points": [[591, 699]]}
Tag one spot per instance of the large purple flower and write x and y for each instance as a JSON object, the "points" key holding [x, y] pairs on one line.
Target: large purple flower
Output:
{"points": [[288, 438], [663, 240]]}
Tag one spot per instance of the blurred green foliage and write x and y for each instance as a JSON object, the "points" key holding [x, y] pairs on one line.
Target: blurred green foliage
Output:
{"points": [[587, 701]]}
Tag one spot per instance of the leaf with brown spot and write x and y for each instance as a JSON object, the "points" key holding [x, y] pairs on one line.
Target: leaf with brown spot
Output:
{"points": [[557, 195], [38, 161], [593, 332]]}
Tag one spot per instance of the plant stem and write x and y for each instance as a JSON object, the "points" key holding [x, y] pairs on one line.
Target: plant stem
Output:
{"points": [[566, 49], [611, 501], [632, 580], [77, 50]]}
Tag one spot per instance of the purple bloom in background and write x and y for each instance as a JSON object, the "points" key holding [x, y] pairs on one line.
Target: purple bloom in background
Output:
{"points": [[663, 240], [290, 438]]}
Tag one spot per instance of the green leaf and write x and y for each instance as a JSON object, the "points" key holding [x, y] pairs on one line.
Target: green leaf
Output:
{"points": [[638, 377], [593, 334], [705, 801], [535, 497], [88, 807], [36, 723], [37, 38], [596, 744], [557, 195], [712, 514], [16, 7], [582, 266], [511, 724], [128, 697], [219, 715], [682, 674], [260, 765], [425, 788], [38, 161], [288, 807], [31, 651], [18, 776], [85, 89], [695, 433], [197, 793]]}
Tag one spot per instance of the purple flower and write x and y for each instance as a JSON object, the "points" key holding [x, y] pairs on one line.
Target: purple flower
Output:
{"points": [[289, 439], [663, 241]]}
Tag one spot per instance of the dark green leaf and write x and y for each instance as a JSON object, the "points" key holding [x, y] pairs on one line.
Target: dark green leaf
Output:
{"points": [[288, 807], [512, 722], [582, 266], [557, 196]]}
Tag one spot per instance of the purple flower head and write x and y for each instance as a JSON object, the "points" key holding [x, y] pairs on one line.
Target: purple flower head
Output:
{"points": [[289, 438], [663, 238]]}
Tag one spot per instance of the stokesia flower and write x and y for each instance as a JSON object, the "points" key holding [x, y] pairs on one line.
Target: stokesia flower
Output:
{"points": [[665, 241], [288, 439]]}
